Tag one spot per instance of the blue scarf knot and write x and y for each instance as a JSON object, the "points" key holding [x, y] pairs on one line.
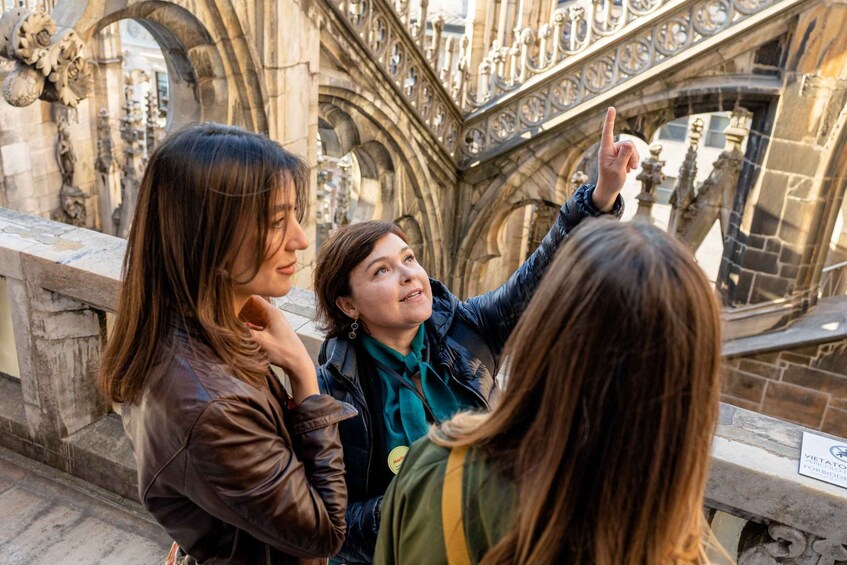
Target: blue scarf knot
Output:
{"points": [[405, 414]]}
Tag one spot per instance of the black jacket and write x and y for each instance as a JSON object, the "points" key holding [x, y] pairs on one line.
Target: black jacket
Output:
{"points": [[465, 341]]}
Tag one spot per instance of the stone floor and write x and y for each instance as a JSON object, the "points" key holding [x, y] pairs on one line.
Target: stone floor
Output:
{"points": [[49, 517]]}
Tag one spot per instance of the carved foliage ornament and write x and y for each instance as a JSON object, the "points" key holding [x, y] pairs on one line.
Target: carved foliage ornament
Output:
{"points": [[42, 53], [777, 544], [32, 36]]}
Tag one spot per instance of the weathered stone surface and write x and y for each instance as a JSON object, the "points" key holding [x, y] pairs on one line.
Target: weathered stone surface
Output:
{"points": [[15, 158], [760, 368], [823, 381], [792, 157], [48, 517], [795, 404], [762, 261], [767, 287], [746, 404], [745, 386]]}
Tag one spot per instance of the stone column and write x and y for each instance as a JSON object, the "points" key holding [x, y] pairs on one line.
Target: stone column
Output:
{"points": [[109, 78], [777, 247], [108, 177], [292, 66], [58, 343], [480, 32]]}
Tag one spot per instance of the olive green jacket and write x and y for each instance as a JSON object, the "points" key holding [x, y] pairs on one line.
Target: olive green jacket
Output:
{"points": [[412, 529]]}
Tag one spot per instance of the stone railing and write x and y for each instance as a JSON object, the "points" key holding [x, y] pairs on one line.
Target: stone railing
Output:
{"points": [[570, 32], [643, 49], [400, 54], [764, 511], [515, 53], [63, 280], [531, 80]]}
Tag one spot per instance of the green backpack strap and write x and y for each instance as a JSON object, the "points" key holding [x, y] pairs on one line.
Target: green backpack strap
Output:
{"points": [[451, 509]]}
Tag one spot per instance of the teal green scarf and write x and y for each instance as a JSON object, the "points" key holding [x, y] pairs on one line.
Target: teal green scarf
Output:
{"points": [[404, 413]]}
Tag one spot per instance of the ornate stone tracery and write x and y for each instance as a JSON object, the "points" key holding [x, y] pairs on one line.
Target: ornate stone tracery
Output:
{"points": [[684, 27]]}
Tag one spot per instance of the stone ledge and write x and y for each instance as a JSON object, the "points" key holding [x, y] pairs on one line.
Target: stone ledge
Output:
{"points": [[826, 322], [76, 262], [754, 473], [101, 453]]}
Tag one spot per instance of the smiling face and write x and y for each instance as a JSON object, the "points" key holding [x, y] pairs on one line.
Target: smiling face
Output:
{"points": [[286, 237], [389, 291]]}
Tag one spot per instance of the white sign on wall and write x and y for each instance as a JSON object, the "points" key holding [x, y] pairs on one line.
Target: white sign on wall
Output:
{"points": [[824, 459]]}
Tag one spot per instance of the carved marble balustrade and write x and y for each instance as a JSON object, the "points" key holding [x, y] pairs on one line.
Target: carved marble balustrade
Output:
{"points": [[639, 52], [532, 80]]}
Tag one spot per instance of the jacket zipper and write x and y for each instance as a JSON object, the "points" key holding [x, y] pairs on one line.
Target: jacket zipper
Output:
{"points": [[267, 554]]}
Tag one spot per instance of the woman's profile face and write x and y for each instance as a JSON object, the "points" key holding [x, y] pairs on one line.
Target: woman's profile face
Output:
{"points": [[390, 290], [286, 237]]}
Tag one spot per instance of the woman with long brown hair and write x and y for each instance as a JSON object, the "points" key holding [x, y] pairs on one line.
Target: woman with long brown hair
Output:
{"points": [[233, 468], [599, 449]]}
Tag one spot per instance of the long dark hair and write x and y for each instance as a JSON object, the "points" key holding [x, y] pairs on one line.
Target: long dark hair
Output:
{"points": [[609, 412], [207, 188]]}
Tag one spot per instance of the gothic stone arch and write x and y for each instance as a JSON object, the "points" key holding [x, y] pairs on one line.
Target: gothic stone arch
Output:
{"points": [[406, 183], [215, 71]]}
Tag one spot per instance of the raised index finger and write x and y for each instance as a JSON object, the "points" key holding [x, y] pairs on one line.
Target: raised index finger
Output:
{"points": [[608, 138]]}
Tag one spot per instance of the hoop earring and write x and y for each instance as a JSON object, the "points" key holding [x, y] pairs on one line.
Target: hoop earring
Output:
{"points": [[353, 327]]}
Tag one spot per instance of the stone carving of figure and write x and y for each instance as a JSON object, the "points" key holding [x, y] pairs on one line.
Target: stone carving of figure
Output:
{"points": [[65, 154], [72, 200]]}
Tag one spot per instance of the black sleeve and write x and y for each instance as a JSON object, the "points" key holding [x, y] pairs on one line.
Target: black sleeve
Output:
{"points": [[495, 313]]}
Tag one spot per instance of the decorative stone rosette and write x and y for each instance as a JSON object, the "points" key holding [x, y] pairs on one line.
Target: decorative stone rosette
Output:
{"points": [[50, 64]]}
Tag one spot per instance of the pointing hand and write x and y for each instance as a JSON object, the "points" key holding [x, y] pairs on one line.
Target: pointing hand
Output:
{"points": [[614, 161]]}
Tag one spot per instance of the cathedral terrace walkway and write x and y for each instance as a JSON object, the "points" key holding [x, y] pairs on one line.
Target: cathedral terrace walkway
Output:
{"points": [[47, 516]]}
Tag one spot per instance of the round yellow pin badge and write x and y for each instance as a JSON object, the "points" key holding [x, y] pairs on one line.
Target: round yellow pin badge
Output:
{"points": [[396, 457]]}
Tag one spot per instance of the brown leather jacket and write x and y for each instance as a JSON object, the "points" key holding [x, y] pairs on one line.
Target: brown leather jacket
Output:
{"points": [[229, 470]]}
